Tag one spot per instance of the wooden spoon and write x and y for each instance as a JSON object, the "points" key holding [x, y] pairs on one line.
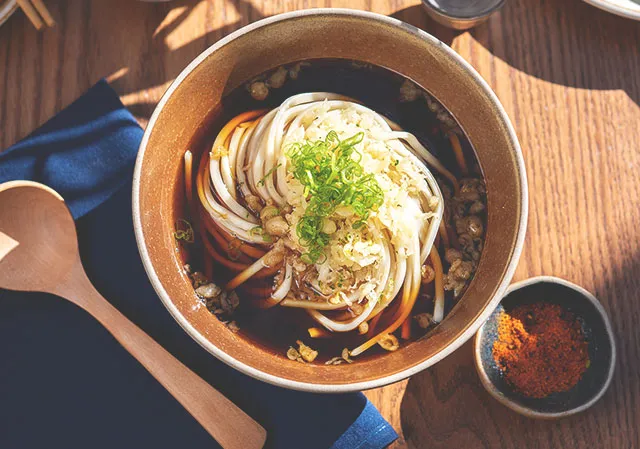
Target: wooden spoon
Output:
{"points": [[39, 252]]}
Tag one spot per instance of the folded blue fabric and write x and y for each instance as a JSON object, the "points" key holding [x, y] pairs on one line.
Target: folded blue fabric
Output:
{"points": [[65, 382]]}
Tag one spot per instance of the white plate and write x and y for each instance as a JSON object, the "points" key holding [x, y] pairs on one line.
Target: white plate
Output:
{"points": [[624, 8], [7, 8]]}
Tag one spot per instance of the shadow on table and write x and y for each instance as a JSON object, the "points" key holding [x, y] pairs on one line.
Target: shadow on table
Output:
{"points": [[180, 57], [160, 62], [447, 407], [142, 45], [416, 15], [566, 42], [139, 45], [163, 62]]}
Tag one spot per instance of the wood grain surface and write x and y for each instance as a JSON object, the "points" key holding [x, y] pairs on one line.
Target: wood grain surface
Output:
{"points": [[569, 77]]}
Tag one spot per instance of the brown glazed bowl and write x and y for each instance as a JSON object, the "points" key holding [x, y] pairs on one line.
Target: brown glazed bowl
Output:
{"points": [[312, 34]]}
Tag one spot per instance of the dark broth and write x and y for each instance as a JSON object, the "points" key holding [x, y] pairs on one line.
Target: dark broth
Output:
{"points": [[278, 328]]}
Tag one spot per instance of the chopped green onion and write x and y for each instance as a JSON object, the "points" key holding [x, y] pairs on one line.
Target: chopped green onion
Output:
{"points": [[258, 231], [332, 176], [264, 178]]}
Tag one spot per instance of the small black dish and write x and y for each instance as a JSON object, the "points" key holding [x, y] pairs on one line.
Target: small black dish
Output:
{"points": [[597, 329]]}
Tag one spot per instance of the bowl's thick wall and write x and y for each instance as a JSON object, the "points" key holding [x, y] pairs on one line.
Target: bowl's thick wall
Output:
{"points": [[331, 33]]}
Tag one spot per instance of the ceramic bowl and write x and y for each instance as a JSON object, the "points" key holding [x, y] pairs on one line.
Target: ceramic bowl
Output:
{"points": [[312, 34], [601, 346]]}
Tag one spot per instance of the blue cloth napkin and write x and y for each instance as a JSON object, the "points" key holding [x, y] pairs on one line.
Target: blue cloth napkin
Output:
{"points": [[65, 382]]}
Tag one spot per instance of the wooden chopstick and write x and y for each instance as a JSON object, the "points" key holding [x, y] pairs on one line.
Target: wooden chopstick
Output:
{"points": [[44, 12], [31, 13], [36, 11]]}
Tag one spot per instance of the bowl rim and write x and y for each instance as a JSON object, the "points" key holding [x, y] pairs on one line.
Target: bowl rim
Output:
{"points": [[526, 411], [307, 386]]}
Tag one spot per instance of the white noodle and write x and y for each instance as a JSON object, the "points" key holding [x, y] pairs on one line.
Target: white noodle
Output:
{"points": [[257, 164]]}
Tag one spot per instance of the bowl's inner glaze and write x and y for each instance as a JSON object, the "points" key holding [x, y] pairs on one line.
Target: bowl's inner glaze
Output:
{"points": [[187, 108], [593, 326]]}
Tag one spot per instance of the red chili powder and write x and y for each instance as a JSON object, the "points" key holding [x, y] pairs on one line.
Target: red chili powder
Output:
{"points": [[540, 349]]}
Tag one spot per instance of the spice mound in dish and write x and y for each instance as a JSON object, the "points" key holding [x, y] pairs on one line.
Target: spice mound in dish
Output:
{"points": [[541, 349]]}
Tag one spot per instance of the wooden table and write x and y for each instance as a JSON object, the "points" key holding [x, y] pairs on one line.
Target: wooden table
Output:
{"points": [[569, 78]]}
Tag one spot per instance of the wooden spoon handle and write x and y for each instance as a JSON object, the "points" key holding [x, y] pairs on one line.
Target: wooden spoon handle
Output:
{"points": [[229, 425]]}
